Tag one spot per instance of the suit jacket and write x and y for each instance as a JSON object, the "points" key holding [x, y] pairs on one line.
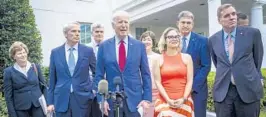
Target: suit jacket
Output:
{"points": [[199, 51], [21, 91], [61, 80], [245, 67], [136, 78]]}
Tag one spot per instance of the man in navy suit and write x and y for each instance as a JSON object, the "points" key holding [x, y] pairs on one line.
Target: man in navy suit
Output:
{"points": [[237, 53], [197, 46], [125, 57], [70, 90]]}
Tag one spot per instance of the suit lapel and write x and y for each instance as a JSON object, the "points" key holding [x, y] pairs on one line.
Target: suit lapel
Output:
{"points": [[191, 43], [237, 46], [221, 46], [80, 57], [20, 74], [62, 56], [129, 52], [113, 53]]}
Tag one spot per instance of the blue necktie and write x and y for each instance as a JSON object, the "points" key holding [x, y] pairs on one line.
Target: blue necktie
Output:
{"points": [[71, 61], [184, 45]]}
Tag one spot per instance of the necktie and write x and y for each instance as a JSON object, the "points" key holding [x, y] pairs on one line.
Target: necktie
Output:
{"points": [[71, 61], [184, 45], [122, 55], [231, 53], [230, 48]]}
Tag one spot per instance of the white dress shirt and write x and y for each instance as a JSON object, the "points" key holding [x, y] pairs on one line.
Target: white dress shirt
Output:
{"points": [[95, 47], [75, 52], [187, 39], [117, 43], [25, 72]]}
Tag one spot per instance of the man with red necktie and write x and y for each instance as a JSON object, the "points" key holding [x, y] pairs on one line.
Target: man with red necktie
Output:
{"points": [[125, 57]]}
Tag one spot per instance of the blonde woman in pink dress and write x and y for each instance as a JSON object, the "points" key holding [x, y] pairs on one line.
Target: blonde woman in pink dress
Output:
{"points": [[148, 38]]}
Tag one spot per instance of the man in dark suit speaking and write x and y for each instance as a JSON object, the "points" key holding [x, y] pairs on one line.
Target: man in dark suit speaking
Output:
{"points": [[237, 54]]}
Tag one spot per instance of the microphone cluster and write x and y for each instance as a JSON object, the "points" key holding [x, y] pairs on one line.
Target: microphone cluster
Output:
{"points": [[117, 96]]}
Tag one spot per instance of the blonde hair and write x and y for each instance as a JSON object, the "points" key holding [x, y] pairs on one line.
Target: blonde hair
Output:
{"points": [[15, 47], [162, 42]]}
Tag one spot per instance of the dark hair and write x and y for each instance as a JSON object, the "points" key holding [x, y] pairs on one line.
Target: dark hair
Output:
{"points": [[149, 34], [242, 16]]}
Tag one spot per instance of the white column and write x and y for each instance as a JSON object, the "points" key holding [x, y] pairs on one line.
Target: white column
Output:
{"points": [[257, 22], [214, 25], [257, 14]]}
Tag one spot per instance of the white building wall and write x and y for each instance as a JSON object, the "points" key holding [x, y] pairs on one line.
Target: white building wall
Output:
{"points": [[51, 15], [263, 33]]}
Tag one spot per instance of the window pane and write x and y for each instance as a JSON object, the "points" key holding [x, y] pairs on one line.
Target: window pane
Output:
{"points": [[85, 33], [139, 31]]}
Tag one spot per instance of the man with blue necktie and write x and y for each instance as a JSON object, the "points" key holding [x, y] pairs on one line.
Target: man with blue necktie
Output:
{"points": [[70, 88], [197, 46], [125, 57]]}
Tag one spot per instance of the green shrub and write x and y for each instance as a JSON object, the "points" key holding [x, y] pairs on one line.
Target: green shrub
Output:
{"points": [[211, 79]]}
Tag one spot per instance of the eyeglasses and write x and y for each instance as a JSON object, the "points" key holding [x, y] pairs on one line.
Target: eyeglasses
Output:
{"points": [[173, 37]]}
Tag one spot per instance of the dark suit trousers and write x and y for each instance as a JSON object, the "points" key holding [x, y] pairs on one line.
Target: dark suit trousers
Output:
{"points": [[123, 112], [200, 104], [233, 106], [32, 112], [74, 109]]}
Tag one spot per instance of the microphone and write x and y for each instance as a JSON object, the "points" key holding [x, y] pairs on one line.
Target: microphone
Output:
{"points": [[117, 82], [103, 91]]}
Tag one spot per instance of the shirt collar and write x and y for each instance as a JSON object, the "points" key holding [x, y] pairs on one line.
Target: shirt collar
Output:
{"points": [[67, 46], [188, 36], [16, 66], [233, 33], [117, 40]]}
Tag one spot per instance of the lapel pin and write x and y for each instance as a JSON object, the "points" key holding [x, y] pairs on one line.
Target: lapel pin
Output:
{"points": [[241, 33]]}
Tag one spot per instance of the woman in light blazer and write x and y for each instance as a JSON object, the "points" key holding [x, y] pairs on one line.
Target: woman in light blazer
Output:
{"points": [[22, 84]]}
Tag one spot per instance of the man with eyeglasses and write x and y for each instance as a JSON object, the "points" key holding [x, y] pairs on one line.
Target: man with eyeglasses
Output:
{"points": [[197, 46]]}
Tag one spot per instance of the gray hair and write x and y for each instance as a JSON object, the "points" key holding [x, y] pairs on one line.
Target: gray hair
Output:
{"points": [[68, 26], [221, 9], [119, 13], [186, 14], [96, 25]]}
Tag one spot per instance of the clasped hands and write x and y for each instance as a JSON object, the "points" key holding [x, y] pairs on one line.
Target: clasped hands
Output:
{"points": [[176, 103]]}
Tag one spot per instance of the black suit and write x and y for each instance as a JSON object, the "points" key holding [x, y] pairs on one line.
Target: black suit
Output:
{"points": [[22, 93], [243, 98]]}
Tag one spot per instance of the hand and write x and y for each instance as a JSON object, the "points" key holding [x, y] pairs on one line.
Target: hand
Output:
{"points": [[50, 108], [145, 106], [262, 82], [171, 103], [178, 103], [106, 108]]}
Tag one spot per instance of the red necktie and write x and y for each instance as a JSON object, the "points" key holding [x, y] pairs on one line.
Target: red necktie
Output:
{"points": [[122, 55]]}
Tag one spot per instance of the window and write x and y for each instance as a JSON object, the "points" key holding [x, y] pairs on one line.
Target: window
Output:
{"points": [[139, 32], [85, 33]]}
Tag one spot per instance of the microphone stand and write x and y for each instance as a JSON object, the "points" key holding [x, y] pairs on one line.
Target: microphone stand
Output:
{"points": [[118, 101]]}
